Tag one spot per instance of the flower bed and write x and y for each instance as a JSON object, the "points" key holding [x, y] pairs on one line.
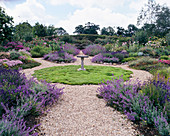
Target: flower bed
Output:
{"points": [[17, 59], [164, 61], [70, 49], [21, 97], [60, 56], [92, 50], [109, 57], [147, 104]]}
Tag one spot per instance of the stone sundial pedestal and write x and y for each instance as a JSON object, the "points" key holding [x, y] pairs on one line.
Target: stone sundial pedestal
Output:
{"points": [[82, 62]]}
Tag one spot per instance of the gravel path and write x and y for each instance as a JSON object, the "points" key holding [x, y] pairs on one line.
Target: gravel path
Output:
{"points": [[81, 113]]}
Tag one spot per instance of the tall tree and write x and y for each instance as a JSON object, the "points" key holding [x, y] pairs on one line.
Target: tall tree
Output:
{"points": [[148, 13], [40, 30], [120, 31], [155, 15], [61, 31], [91, 28], [23, 31], [107, 31], [51, 30], [163, 21], [79, 29], [104, 31], [132, 29], [6, 26]]}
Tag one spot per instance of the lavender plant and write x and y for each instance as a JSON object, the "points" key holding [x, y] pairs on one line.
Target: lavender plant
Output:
{"points": [[21, 97], [70, 49], [101, 59], [128, 98], [92, 50], [60, 56]]}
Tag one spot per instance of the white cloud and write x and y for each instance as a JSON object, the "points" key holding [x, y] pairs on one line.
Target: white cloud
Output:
{"points": [[98, 16], [90, 3], [161, 2], [138, 4], [30, 11]]}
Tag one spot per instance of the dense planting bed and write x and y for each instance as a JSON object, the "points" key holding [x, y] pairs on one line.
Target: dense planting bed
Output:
{"points": [[70, 75]]}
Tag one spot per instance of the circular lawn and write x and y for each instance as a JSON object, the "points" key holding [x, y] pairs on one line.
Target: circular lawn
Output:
{"points": [[70, 75]]}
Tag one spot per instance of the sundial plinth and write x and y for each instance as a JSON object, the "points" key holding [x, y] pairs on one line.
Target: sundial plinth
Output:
{"points": [[82, 62]]}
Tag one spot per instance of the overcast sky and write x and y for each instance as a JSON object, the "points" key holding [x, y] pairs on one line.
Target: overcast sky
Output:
{"points": [[71, 13]]}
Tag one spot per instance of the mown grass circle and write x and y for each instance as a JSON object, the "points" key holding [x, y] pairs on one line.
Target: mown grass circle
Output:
{"points": [[70, 75]]}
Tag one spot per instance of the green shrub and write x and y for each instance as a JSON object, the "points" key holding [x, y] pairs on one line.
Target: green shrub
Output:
{"points": [[109, 47], [133, 54], [14, 55], [120, 56], [164, 73], [167, 37], [39, 51], [162, 52], [133, 48], [164, 58], [141, 36], [128, 59], [67, 39], [2, 49], [147, 51], [143, 61]]}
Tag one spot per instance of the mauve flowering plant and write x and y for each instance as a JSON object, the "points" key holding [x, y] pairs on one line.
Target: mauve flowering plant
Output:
{"points": [[92, 50], [101, 59], [10, 63], [15, 45], [60, 56], [24, 52], [70, 49], [128, 98], [21, 97]]}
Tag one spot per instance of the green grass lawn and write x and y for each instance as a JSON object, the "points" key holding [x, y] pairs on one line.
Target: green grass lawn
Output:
{"points": [[70, 75]]}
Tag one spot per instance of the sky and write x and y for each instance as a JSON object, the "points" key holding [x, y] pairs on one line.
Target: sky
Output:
{"points": [[71, 13]]}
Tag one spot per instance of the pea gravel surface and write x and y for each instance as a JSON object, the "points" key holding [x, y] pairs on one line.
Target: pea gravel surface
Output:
{"points": [[80, 113]]}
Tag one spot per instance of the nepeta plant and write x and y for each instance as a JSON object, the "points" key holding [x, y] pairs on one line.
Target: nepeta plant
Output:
{"points": [[138, 106], [92, 50], [60, 56], [70, 49], [21, 97]]}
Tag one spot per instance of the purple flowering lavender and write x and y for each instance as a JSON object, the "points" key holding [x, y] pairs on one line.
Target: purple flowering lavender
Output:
{"points": [[128, 98], [12, 63], [92, 50], [70, 49], [60, 56], [21, 97], [101, 59]]}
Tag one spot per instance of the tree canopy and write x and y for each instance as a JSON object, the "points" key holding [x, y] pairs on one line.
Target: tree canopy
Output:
{"points": [[89, 28], [155, 17], [6, 26], [23, 31]]}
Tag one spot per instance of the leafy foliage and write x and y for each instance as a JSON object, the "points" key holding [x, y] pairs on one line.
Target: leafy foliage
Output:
{"points": [[89, 28], [21, 97], [6, 27], [136, 105], [39, 51]]}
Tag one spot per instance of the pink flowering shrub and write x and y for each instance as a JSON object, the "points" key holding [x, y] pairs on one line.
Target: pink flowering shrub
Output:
{"points": [[10, 63], [165, 61]]}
